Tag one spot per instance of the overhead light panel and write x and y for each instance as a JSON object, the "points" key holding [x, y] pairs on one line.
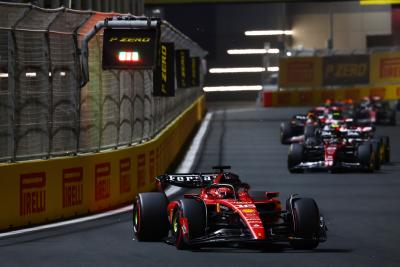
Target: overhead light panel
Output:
{"points": [[232, 88], [268, 32], [237, 70], [273, 69], [246, 51], [273, 51], [30, 74], [252, 51]]}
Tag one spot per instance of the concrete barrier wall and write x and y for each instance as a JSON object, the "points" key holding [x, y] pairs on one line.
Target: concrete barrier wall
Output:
{"points": [[42, 191], [316, 97]]}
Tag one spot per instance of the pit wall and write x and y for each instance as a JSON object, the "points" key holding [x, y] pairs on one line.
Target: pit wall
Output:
{"points": [[292, 98], [42, 191]]}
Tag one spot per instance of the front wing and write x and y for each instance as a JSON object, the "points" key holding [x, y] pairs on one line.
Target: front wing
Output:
{"points": [[243, 237], [323, 166]]}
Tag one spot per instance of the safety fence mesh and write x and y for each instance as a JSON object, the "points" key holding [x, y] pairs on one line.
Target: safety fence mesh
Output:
{"points": [[43, 110]]}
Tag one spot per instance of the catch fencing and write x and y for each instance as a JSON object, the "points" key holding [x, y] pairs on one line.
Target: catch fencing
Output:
{"points": [[43, 110]]}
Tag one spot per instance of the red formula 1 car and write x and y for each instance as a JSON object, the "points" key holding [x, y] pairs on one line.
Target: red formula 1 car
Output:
{"points": [[225, 211]]}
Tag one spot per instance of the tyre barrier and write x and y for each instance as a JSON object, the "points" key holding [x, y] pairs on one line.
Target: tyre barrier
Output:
{"points": [[42, 191]]}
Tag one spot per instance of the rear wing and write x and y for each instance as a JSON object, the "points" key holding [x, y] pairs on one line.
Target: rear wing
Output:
{"points": [[299, 117], [186, 180]]}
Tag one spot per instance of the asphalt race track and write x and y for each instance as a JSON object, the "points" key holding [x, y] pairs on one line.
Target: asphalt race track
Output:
{"points": [[362, 210]]}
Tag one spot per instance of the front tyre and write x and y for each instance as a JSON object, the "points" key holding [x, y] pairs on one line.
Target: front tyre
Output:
{"points": [[295, 157], [150, 219], [305, 216], [188, 222]]}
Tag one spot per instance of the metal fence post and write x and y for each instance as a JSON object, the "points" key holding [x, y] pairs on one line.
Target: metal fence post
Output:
{"points": [[11, 88], [50, 121]]}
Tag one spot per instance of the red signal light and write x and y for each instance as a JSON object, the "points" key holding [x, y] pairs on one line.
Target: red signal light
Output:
{"points": [[128, 56]]}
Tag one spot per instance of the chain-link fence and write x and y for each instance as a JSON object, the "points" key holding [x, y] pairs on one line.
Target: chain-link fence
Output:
{"points": [[43, 110]]}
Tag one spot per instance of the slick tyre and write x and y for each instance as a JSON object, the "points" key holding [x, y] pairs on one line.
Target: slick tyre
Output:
{"points": [[309, 131], [285, 132], [305, 215], [295, 157], [386, 148], [150, 219], [194, 212], [366, 157], [392, 120], [376, 147]]}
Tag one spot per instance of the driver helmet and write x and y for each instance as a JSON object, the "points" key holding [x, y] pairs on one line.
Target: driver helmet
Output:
{"points": [[310, 115], [222, 192], [335, 126]]}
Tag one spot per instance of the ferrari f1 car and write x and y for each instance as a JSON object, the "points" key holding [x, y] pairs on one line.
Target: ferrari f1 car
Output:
{"points": [[225, 211]]}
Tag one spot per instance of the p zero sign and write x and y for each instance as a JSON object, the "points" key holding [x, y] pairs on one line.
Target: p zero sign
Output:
{"points": [[164, 73], [195, 71], [129, 48], [183, 68], [346, 70]]}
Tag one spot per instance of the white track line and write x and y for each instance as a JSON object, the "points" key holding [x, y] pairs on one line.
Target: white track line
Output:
{"points": [[66, 223], [185, 166], [190, 156]]}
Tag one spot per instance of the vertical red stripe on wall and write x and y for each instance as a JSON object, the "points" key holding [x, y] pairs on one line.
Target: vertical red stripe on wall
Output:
{"points": [[396, 24], [267, 96]]}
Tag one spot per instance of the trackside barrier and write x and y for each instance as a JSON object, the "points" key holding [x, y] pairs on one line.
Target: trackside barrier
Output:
{"points": [[40, 191], [316, 97]]}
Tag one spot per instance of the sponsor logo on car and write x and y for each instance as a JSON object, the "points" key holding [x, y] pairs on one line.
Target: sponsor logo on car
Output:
{"points": [[248, 210]]}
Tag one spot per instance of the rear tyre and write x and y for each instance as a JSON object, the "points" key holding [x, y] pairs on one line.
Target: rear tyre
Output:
{"points": [[150, 219], [366, 157], [286, 132], [309, 131], [392, 120], [386, 148], [195, 212], [376, 147], [305, 215], [295, 157]]}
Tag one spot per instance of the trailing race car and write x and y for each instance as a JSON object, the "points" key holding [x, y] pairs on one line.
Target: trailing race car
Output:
{"points": [[292, 131], [357, 133], [334, 150], [372, 110], [300, 127], [225, 211]]}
